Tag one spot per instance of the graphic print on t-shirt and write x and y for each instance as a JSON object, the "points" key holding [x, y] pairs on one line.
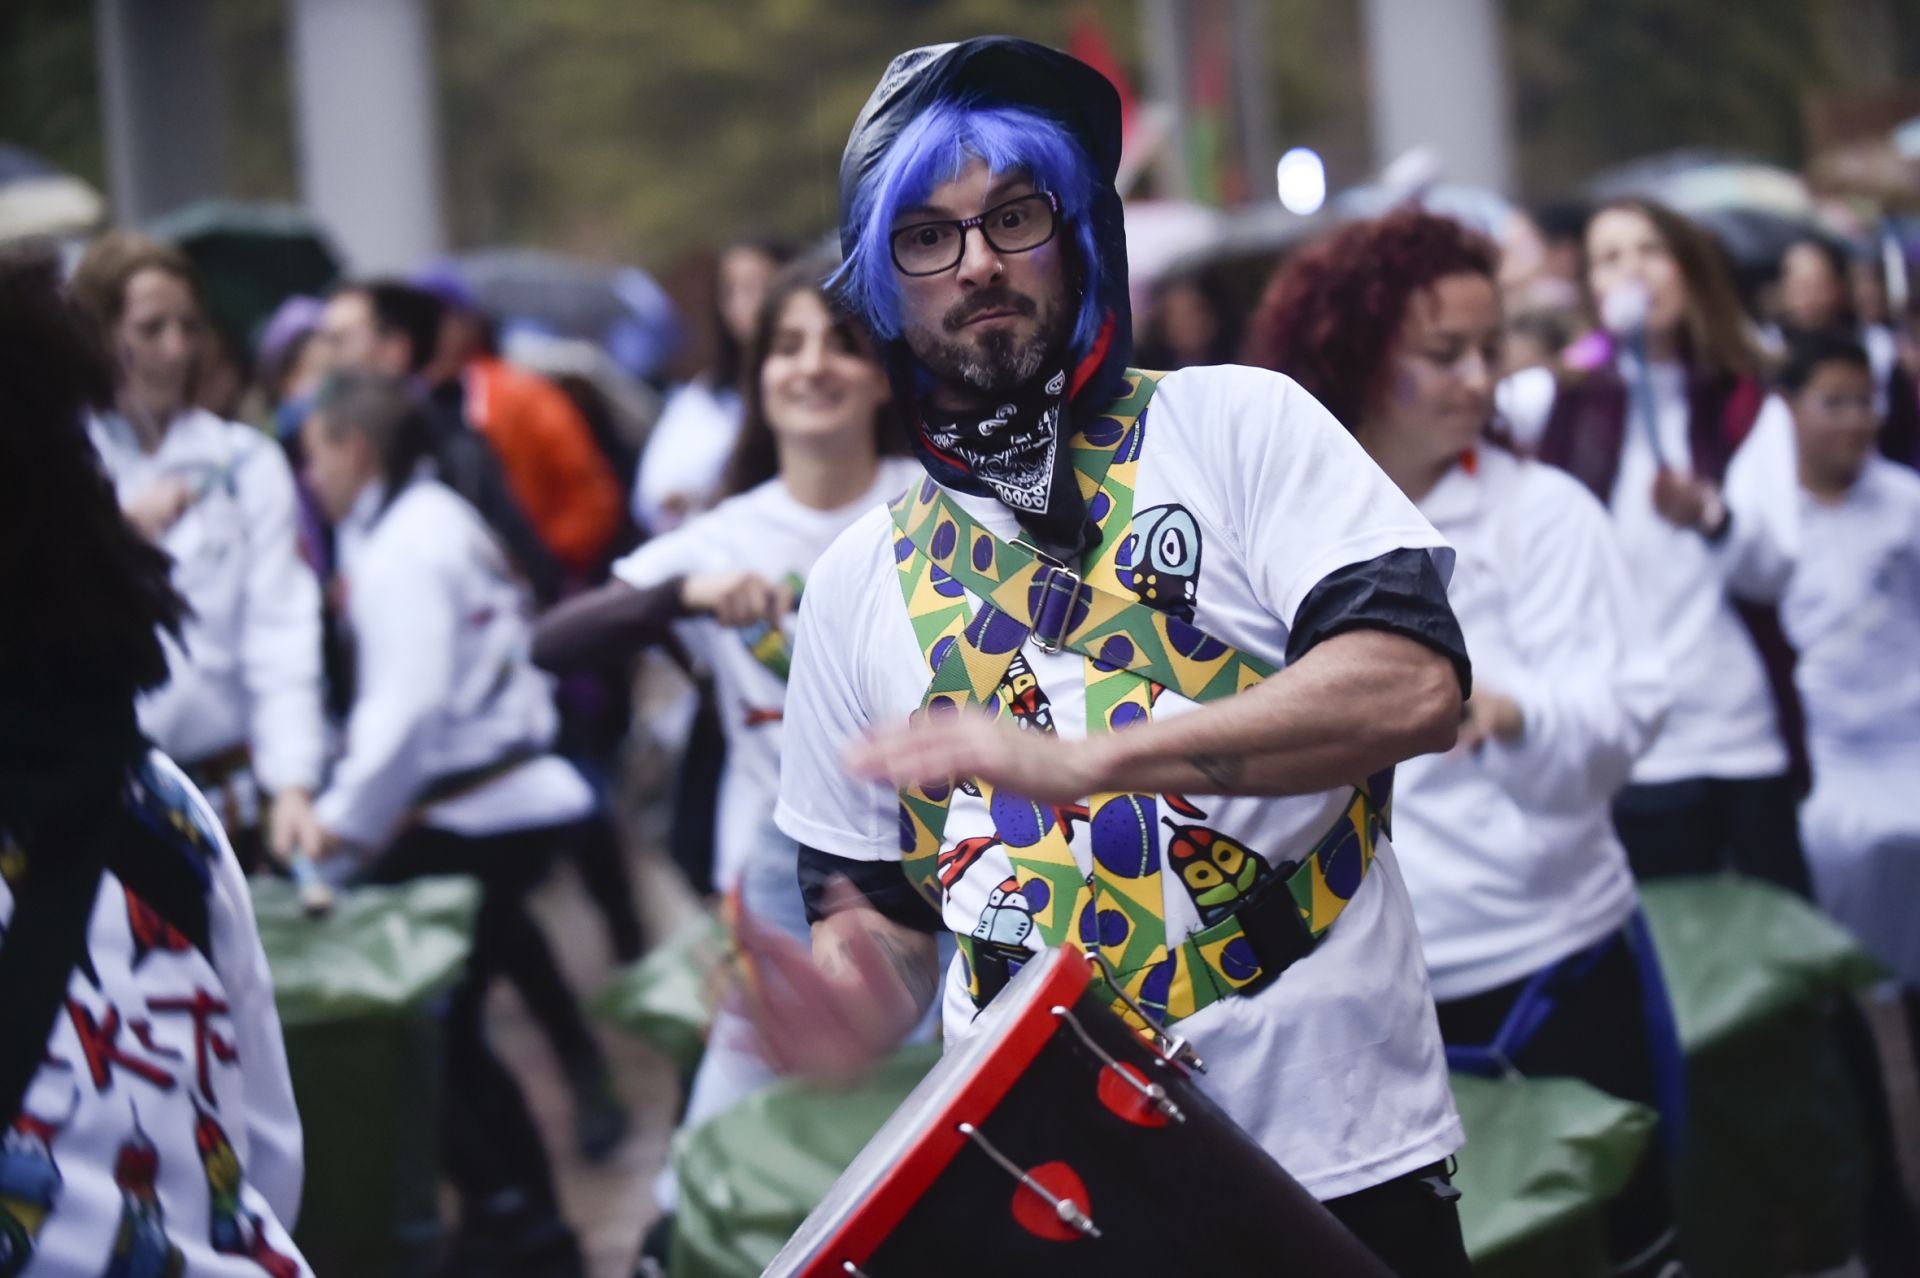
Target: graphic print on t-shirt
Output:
{"points": [[1160, 559], [141, 1248], [29, 1184]]}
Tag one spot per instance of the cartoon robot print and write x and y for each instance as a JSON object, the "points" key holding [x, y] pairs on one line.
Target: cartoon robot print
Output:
{"points": [[141, 1248], [1008, 916], [1160, 559], [233, 1230]]}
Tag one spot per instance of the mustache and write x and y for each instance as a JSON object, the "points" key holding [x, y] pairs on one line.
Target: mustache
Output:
{"points": [[1000, 299]]}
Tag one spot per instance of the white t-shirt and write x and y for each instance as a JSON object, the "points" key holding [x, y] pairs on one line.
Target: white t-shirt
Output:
{"points": [[441, 633], [764, 531], [1336, 1068], [1723, 722], [162, 1121], [1509, 851], [680, 469], [1852, 613], [246, 668]]}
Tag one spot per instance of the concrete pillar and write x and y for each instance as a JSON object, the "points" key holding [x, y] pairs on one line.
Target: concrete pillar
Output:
{"points": [[365, 116], [1438, 77], [160, 90]]}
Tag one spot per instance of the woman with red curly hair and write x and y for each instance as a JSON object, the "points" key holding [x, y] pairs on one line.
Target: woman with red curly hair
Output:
{"points": [[1521, 889]]}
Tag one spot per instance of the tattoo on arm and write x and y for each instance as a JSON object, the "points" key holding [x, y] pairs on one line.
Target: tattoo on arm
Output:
{"points": [[919, 977], [1223, 770]]}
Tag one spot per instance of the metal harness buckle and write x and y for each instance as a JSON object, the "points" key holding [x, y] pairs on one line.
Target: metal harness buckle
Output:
{"points": [[1053, 614]]}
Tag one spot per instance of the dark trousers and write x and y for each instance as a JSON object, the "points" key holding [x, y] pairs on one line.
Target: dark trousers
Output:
{"points": [[1708, 824], [1411, 1222], [1598, 1033], [493, 1151]]}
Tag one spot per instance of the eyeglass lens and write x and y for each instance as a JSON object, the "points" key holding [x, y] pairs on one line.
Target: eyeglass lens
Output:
{"points": [[927, 248]]}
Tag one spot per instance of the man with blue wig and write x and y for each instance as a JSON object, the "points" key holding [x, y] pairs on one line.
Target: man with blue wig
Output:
{"points": [[1130, 671]]}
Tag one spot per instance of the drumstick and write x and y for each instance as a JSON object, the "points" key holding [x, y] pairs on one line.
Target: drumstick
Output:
{"points": [[316, 898]]}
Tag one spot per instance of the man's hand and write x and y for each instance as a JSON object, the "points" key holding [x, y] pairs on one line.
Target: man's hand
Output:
{"points": [[831, 1013], [1490, 715], [1688, 502], [291, 827], [737, 598], [156, 508], [970, 746]]}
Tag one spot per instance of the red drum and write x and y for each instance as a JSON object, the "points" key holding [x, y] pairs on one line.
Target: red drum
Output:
{"points": [[1056, 1136]]}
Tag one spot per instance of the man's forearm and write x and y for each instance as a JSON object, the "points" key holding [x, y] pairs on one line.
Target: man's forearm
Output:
{"points": [[1353, 705]]}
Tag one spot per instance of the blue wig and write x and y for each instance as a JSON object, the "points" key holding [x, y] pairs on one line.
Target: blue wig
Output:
{"points": [[931, 150]]}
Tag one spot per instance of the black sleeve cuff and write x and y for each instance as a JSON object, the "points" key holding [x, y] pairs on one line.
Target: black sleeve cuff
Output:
{"points": [[883, 883], [1399, 592]]}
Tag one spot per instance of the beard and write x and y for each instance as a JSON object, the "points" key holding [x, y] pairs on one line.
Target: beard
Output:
{"points": [[996, 362]]}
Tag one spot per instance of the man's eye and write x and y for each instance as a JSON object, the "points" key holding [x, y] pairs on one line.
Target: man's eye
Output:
{"points": [[928, 236], [1013, 219]]}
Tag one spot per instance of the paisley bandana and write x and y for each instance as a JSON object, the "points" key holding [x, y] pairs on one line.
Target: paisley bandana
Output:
{"points": [[1014, 452]]}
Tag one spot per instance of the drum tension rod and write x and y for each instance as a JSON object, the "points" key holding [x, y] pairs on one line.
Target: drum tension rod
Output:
{"points": [[1065, 1208], [1155, 1094], [1172, 1050]]}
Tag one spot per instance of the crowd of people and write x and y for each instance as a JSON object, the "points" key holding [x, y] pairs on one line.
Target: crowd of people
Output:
{"points": [[1591, 575]]}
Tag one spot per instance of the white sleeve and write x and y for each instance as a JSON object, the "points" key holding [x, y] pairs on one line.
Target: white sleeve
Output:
{"points": [[1594, 687], [404, 623], [280, 628], [820, 805], [680, 553], [1301, 496], [273, 1149], [1763, 494]]}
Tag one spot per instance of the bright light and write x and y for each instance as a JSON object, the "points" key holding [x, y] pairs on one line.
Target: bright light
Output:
{"points": [[1303, 181]]}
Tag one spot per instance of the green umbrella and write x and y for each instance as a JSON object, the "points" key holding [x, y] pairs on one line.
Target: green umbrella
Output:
{"points": [[251, 257]]}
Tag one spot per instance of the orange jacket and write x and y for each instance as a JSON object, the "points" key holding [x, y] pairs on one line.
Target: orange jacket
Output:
{"points": [[556, 471]]}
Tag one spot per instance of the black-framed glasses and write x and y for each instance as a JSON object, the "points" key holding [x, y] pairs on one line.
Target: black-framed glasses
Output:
{"points": [[1018, 226]]}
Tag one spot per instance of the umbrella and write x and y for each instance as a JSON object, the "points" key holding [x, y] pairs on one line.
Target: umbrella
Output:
{"points": [[37, 199], [1695, 181], [251, 258], [621, 308]]}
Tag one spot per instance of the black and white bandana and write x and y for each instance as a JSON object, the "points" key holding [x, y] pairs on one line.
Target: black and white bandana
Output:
{"points": [[1014, 451]]}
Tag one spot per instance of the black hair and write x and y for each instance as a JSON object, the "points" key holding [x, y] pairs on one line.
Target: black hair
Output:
{"points": [[1838, 260], [1807, 353], [399, 307], [385, 411], [86, 594], [756, 455], [1562, 220]]}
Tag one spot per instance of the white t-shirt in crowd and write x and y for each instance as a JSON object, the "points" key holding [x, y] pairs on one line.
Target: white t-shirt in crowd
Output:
{"points": [[1852, 612], [441, 633], [160, 1133], [246, 668], [1723, 722], [1336, 1068], [764, 531], [1509, 850], [680, 469]]}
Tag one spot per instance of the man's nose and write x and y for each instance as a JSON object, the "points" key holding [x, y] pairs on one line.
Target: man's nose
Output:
{"points": [[979, 261]]}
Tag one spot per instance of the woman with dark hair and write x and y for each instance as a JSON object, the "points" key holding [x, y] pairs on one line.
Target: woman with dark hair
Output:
{"points": [[1669, 423], [680, 469], [1816, 298], [815, 452], [240, 709], [1517, 879], [118, 891]]}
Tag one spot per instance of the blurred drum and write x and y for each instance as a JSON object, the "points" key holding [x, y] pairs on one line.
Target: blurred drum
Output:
{"points": [[1056, 1135]]}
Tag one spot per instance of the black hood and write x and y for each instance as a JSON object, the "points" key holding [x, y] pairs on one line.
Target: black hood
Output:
{"points": [[1003, 71]]}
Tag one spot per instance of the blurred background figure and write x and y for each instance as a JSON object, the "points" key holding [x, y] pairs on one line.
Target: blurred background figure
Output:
{"points": [[818, 448], [1668, 430], [680, 469], [446, 771], [241, 708], [1816, 296], [1852, 611], [1185, 324], [1526, 906]]}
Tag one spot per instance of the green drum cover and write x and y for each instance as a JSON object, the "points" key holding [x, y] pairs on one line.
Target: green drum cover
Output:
{"points": [[666, 999]]}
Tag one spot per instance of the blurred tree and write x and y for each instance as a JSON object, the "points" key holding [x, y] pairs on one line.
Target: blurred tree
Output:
{"points": [[49, 85]]}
